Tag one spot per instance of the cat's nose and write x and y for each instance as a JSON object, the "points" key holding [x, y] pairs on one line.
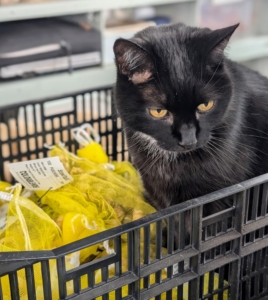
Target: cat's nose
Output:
{"points": [[188, 137]]}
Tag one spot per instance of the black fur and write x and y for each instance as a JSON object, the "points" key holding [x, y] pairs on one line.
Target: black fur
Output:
{"points": [[176, 68]]}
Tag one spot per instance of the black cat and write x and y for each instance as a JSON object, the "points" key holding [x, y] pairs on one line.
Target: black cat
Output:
{"points": [[195, 121]]}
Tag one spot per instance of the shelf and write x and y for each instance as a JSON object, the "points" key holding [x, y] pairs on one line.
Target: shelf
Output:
{"points": [[56, 85], [71, 7], [249, 48]]}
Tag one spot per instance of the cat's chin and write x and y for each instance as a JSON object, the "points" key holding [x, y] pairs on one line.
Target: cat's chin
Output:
{"points": [[176, 152], [187, 151], [182, 151]]}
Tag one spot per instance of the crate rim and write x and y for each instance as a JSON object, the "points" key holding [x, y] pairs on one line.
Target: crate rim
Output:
{"points": [[6, 257], [55, 97]]}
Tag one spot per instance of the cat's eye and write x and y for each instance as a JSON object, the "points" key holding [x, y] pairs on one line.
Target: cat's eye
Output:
{"points": [[158, 113], [205, 106]]}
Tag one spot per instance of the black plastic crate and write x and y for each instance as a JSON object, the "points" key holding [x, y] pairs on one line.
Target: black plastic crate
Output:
{"points": [[230, 246]]}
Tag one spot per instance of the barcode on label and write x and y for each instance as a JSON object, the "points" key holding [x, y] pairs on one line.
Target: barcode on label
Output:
{"points": [[29, 179]]}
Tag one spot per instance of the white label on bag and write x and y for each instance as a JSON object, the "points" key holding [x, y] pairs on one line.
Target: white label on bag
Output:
{"points": [[4, 209], [40, 174], [3, 215], [5, 196]]}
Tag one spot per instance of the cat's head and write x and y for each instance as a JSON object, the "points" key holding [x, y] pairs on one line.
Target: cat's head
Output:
{"points": [[172, 85]]}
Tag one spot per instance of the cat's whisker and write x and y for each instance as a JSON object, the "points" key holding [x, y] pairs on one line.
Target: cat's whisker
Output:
{"points": [[202, 61], [248, 127], [219, 154], [159, 81], [233, 157], [255, 129], [151, 147], [214, 73], [133, 145], [143, 165], [253, 135], [126, 131], [154, 153], [221, 126], [222, 87], [149, 166], [244, 145], [215, 138], [215, 158], [208, 88]]}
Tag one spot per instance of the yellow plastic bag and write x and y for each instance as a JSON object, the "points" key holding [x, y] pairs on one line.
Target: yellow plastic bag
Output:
{"points": [[93, 152], [116, 195], [28, 227], [77, 226], [75, 165], [121, 188], [4, 185], [79, 216], [127, 171]]}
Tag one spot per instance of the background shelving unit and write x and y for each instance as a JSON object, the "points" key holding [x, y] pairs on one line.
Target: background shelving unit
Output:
{"points": [[71, 7], [61, 83], [251, 50]]}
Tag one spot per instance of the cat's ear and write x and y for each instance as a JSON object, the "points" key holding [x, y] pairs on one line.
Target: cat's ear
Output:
{"points": [[133, 61], [218, 40]]}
